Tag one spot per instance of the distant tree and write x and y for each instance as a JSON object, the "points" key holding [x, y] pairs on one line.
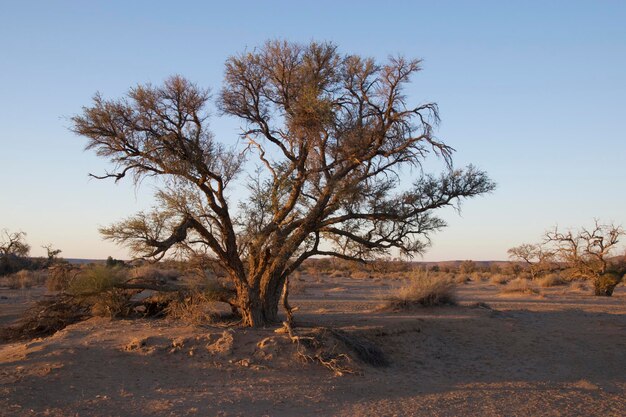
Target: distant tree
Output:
{"points": [[14, 243], [51, 253], [536, 257], [13, 250], [112, 262], [332, 135], [587, 252]]}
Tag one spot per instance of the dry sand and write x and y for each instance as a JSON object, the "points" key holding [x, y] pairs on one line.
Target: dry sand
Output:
{"points": [[561, 353]]}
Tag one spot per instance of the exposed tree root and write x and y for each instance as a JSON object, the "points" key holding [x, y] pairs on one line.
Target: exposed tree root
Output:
{"points": [[325, 346]]}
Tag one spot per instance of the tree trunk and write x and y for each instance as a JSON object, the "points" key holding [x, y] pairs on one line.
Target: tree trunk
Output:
{"points": [[258, 310], [270, 306], [250, 307]]}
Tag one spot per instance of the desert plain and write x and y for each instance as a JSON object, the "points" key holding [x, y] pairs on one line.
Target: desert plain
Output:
{"points": [[557, 351]]}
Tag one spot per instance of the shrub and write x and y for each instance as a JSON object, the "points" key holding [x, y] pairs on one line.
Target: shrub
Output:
{"points": [[580, 286], [520, 285], [500, 279], [605, 284], [152, 272], [26, 279], [462, 278], [95, 279], [551, 280], [193, 307], [467, 267], [113, 303], [59, 276], [425, 290], [478, 276]]}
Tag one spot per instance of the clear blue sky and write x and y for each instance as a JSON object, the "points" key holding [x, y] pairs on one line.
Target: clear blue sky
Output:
{"points": [[532, 92]]}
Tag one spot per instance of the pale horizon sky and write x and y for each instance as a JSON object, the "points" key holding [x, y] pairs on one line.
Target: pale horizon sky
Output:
{"points": [[532, 92]]}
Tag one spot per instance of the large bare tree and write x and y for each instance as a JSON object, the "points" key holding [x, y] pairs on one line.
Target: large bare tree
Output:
{"points": [[588, 251], [333, 136]]}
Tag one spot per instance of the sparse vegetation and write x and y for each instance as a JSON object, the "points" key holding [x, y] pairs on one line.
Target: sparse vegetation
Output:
{"points": [[26, 279], [584, 254], [551, 280], [424, 289], [520, 285], [193, 307], [499, 279], [95, 279], [60, 276]]}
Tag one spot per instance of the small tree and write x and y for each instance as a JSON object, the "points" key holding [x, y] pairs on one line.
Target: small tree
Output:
{"points": [[587, 252], [537, 258], [332, 134], [13, 248], [51, 253]]}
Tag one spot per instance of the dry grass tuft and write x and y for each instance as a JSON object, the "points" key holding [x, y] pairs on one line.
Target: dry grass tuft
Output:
{"points": [[580, 286], [520, 285], [499, 279], [150, 272], [112, 304], [425, 290], [26, 279], [551, 280]]}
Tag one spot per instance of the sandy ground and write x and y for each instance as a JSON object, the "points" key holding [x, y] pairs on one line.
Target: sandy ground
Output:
{"points": [[561, 353]]}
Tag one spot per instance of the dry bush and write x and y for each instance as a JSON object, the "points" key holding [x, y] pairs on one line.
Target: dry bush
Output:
{"points": [[154, 272], [424, 289], [45, 318], [59, 276], [551, 280], [461, 278], [193, 307], [479, 276], [519, 285], [499, 279], [364, 275], [339, 274], [580, 286], [113, 304], [26, 279], [297, 284]]}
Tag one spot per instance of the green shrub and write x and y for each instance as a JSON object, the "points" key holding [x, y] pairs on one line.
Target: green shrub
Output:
{"points": [[96, 279]]}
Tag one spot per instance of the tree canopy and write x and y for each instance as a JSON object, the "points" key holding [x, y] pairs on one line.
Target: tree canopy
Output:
{"points": [[333, 136]]}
